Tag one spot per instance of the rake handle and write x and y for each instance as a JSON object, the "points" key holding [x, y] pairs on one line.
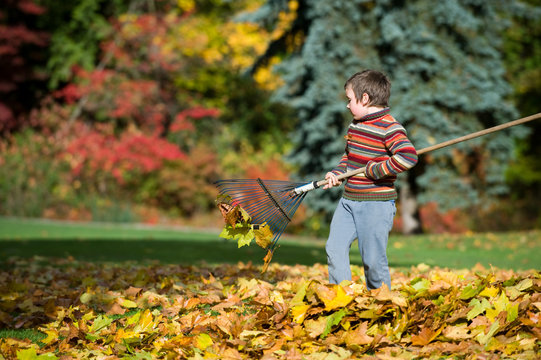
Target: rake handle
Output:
{"points": [[444, 144]]}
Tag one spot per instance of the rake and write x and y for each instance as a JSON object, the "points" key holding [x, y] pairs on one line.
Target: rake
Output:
{"points": [[274, 202]]}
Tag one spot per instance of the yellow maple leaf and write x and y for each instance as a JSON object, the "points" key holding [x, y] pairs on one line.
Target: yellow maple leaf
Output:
{"points": [[203, 341], [122, 334], [489, 292], [483, 338], [263, 235], [333, 297], [449, 277], [299, 313], [146, 322], [298, 299], [501, 304], [127, 303], [52, 335]]}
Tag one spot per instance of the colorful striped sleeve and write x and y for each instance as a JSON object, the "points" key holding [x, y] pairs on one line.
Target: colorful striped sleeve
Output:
{"points": [[341, 168], [404, 155]]}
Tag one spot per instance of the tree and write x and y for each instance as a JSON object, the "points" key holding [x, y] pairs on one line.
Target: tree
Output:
{"points": [[21, 57], [77, 28], [445, 62], [523, 62]]}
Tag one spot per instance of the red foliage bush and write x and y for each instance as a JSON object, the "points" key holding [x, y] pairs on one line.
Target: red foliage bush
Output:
{"points": [[436, 222], [186, 186], [272, 169], [183, 119], [20, 55], [69, 93], [30, 7], [130, 155]]}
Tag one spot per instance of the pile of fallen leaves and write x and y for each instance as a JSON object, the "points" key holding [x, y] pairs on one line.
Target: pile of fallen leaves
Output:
{"points": [[152, 311]]}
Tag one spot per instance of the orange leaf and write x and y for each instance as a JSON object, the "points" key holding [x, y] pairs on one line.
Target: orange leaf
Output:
{"points": [[267, 259], [425, 336], [192, 302], [358, 336]]}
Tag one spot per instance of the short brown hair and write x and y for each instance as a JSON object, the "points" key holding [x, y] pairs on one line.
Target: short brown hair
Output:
{"points": [[373, 83]]}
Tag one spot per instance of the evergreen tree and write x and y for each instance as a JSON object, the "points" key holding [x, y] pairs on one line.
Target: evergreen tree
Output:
{"points": [[523, 61], [445, 62]]}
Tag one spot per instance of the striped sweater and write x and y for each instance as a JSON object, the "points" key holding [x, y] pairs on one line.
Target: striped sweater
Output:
{"points": [[380, 143]]}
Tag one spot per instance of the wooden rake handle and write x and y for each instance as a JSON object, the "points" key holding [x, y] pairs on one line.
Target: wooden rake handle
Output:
{"points": [[442, 145]]}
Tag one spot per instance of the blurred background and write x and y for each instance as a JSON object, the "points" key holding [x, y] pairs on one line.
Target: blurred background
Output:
{"points": [[129, 110]]}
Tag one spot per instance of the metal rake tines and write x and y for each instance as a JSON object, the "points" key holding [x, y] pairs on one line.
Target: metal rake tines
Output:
{"points": [[270, 201]]}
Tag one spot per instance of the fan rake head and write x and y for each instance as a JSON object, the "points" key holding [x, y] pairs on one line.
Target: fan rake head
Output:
{"points": [[266, 201]]}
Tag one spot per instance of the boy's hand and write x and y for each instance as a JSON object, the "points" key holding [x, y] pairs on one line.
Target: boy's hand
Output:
{"points": [[333, 181]]}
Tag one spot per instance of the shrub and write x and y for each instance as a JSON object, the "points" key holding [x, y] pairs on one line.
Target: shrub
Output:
{"points": [[30, 174]]}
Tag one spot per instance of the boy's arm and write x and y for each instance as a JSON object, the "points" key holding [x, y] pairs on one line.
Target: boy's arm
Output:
{"points": [[404, 155], [339, 169], [342, 166]]}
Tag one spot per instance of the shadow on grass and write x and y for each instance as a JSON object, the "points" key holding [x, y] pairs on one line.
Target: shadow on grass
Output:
{"points": [[181, 252]]}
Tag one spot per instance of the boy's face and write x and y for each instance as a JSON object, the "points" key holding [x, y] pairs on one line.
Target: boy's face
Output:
{"points": [[358, 108]]}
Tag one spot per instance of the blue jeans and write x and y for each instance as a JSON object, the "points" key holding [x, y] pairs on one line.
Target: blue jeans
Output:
{"points": [[370, 223]]}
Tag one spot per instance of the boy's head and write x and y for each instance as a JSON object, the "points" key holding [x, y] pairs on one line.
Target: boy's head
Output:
{"points": [[373, 83]]}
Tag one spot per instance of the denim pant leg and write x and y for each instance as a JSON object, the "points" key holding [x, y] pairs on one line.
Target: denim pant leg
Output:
{"points": [[341, 236], [374, 221]]}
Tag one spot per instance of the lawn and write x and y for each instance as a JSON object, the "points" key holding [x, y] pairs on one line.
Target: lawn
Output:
{"points": [[100, 242]]}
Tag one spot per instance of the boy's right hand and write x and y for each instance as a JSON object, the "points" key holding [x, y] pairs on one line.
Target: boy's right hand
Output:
{"points": [[333, 181]]}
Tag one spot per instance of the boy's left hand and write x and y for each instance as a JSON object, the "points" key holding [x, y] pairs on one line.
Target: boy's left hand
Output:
{"points": [[333, 181]]}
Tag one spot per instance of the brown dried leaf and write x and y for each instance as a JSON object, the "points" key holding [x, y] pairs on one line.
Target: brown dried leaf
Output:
{"points": [[425, 336], [227, 311], [358, 336]]}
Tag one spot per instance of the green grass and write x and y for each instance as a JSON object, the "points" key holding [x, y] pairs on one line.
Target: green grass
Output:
{"points": [[22, 334], [512, 250], [113, 242]]}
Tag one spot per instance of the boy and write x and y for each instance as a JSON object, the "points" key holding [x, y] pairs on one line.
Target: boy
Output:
{"points": [[375, 140]]}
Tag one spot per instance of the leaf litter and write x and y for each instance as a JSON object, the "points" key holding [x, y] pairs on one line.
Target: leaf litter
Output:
{"points": [[154, 311]]}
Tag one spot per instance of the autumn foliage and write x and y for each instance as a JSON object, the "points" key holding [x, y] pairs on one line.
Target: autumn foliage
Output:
{"points": [[82, 310], [143, 126], [21, 47]]}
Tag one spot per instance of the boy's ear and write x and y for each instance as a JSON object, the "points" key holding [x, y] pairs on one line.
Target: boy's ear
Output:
{"points": [[365, 100]]}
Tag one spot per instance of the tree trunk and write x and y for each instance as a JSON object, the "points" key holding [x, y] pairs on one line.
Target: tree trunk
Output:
{"points": [[409, 210]]}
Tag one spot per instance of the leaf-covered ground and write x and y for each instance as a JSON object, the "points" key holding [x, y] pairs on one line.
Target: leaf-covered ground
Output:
{"points": [[65, 309]]}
